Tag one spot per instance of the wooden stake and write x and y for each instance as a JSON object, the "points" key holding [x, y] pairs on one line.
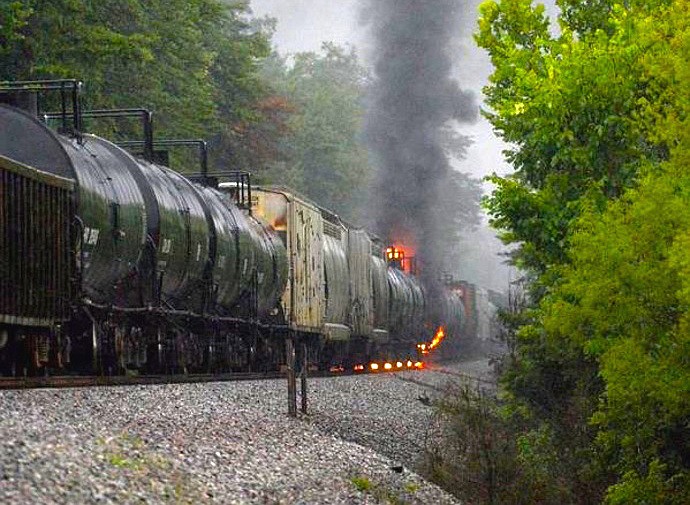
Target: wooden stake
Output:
{"points": [[303, 377], [291, 379]]}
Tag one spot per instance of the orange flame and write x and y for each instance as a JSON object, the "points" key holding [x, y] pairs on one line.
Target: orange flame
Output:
{"points": [[388, 366], [440, 335], [425, 348], [401, 253]]}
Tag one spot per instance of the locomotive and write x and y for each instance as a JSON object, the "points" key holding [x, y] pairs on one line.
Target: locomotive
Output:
{"points": [[110, 262]]}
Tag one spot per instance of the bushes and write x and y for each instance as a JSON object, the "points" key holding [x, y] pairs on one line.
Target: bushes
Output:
{"points": [[471, 453], [486, 452], [599, 206]]}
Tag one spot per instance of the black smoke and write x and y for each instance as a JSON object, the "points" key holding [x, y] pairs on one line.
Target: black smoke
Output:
{"points": [[412, 99]]}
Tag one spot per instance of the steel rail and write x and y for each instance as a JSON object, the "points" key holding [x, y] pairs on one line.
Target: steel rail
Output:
{"points": [[75, 381], [89, 381]]}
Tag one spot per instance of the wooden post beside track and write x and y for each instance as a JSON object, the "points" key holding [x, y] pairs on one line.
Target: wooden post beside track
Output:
{"points": [[291, 379], [303, 377]]}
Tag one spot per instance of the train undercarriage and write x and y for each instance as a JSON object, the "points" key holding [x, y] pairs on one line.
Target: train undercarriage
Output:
{"points": [[116, 344]]}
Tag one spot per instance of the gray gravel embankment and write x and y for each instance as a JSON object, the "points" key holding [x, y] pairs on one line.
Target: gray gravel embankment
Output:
{"points": [[218, 443]]}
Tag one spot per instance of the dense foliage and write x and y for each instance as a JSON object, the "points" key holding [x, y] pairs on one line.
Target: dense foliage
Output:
{"points": [[323, 153], [192, 62], [597, 390]]}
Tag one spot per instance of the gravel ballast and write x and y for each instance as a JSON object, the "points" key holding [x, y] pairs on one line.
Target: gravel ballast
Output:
{"points": [[219, 443]]}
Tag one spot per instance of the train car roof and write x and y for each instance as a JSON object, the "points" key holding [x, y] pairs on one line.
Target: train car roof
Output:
{"points": [[327, 214], [33, 173]]}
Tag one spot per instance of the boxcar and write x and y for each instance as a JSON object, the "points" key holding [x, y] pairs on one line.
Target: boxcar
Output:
{"points": [[36, 246]]}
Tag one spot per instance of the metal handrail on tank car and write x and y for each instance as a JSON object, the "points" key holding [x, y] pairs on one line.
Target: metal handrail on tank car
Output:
{"points": [[243, 197], [146, 122], [201, 144], [61, 85]]}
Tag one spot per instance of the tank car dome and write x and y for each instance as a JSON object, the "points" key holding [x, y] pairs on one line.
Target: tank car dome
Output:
{"points": [[25, 139]]}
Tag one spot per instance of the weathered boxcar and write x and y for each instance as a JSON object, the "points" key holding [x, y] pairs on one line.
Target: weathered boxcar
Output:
{"points": [[36, 247], [300, 225]]}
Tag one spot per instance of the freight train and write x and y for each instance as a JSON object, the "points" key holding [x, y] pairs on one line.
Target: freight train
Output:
{"points": [[112, 263]]}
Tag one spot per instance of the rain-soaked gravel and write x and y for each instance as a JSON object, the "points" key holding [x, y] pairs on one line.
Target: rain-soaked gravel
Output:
{"points": [[219, 443]]}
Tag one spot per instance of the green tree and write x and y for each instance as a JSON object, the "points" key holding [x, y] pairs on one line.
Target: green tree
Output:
{"points": [[194, 63], [570, 107], [600, 362], [320, 108], [13, 16], [623, 301]]}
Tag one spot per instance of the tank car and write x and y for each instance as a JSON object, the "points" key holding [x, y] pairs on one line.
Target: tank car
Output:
{"points": [[146, 237]]}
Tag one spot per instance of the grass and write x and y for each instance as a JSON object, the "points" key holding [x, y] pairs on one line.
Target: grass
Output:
{"points": [[411, 488], [120, 461], [128, 454], [380, 492], [362, 483], [123, 452]]}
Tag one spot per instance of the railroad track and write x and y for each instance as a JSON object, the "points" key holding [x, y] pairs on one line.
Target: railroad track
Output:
{"points": [[418, 382], [466, 378], [70, 381], [77, 381], [461, 375]]}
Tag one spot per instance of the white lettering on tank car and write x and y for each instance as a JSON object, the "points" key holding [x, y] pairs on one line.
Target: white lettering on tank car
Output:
{"points": [[221, 261], [91, 236], [260, 278], [144, 224], [166, 246], [244, 268], [198, 251]]}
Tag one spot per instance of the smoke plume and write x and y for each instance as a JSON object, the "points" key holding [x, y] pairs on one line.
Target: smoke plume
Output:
{"points": [[412, 98]]}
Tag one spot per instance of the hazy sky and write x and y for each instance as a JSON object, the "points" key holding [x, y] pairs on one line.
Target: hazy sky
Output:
{"points": [[304, 24]]}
